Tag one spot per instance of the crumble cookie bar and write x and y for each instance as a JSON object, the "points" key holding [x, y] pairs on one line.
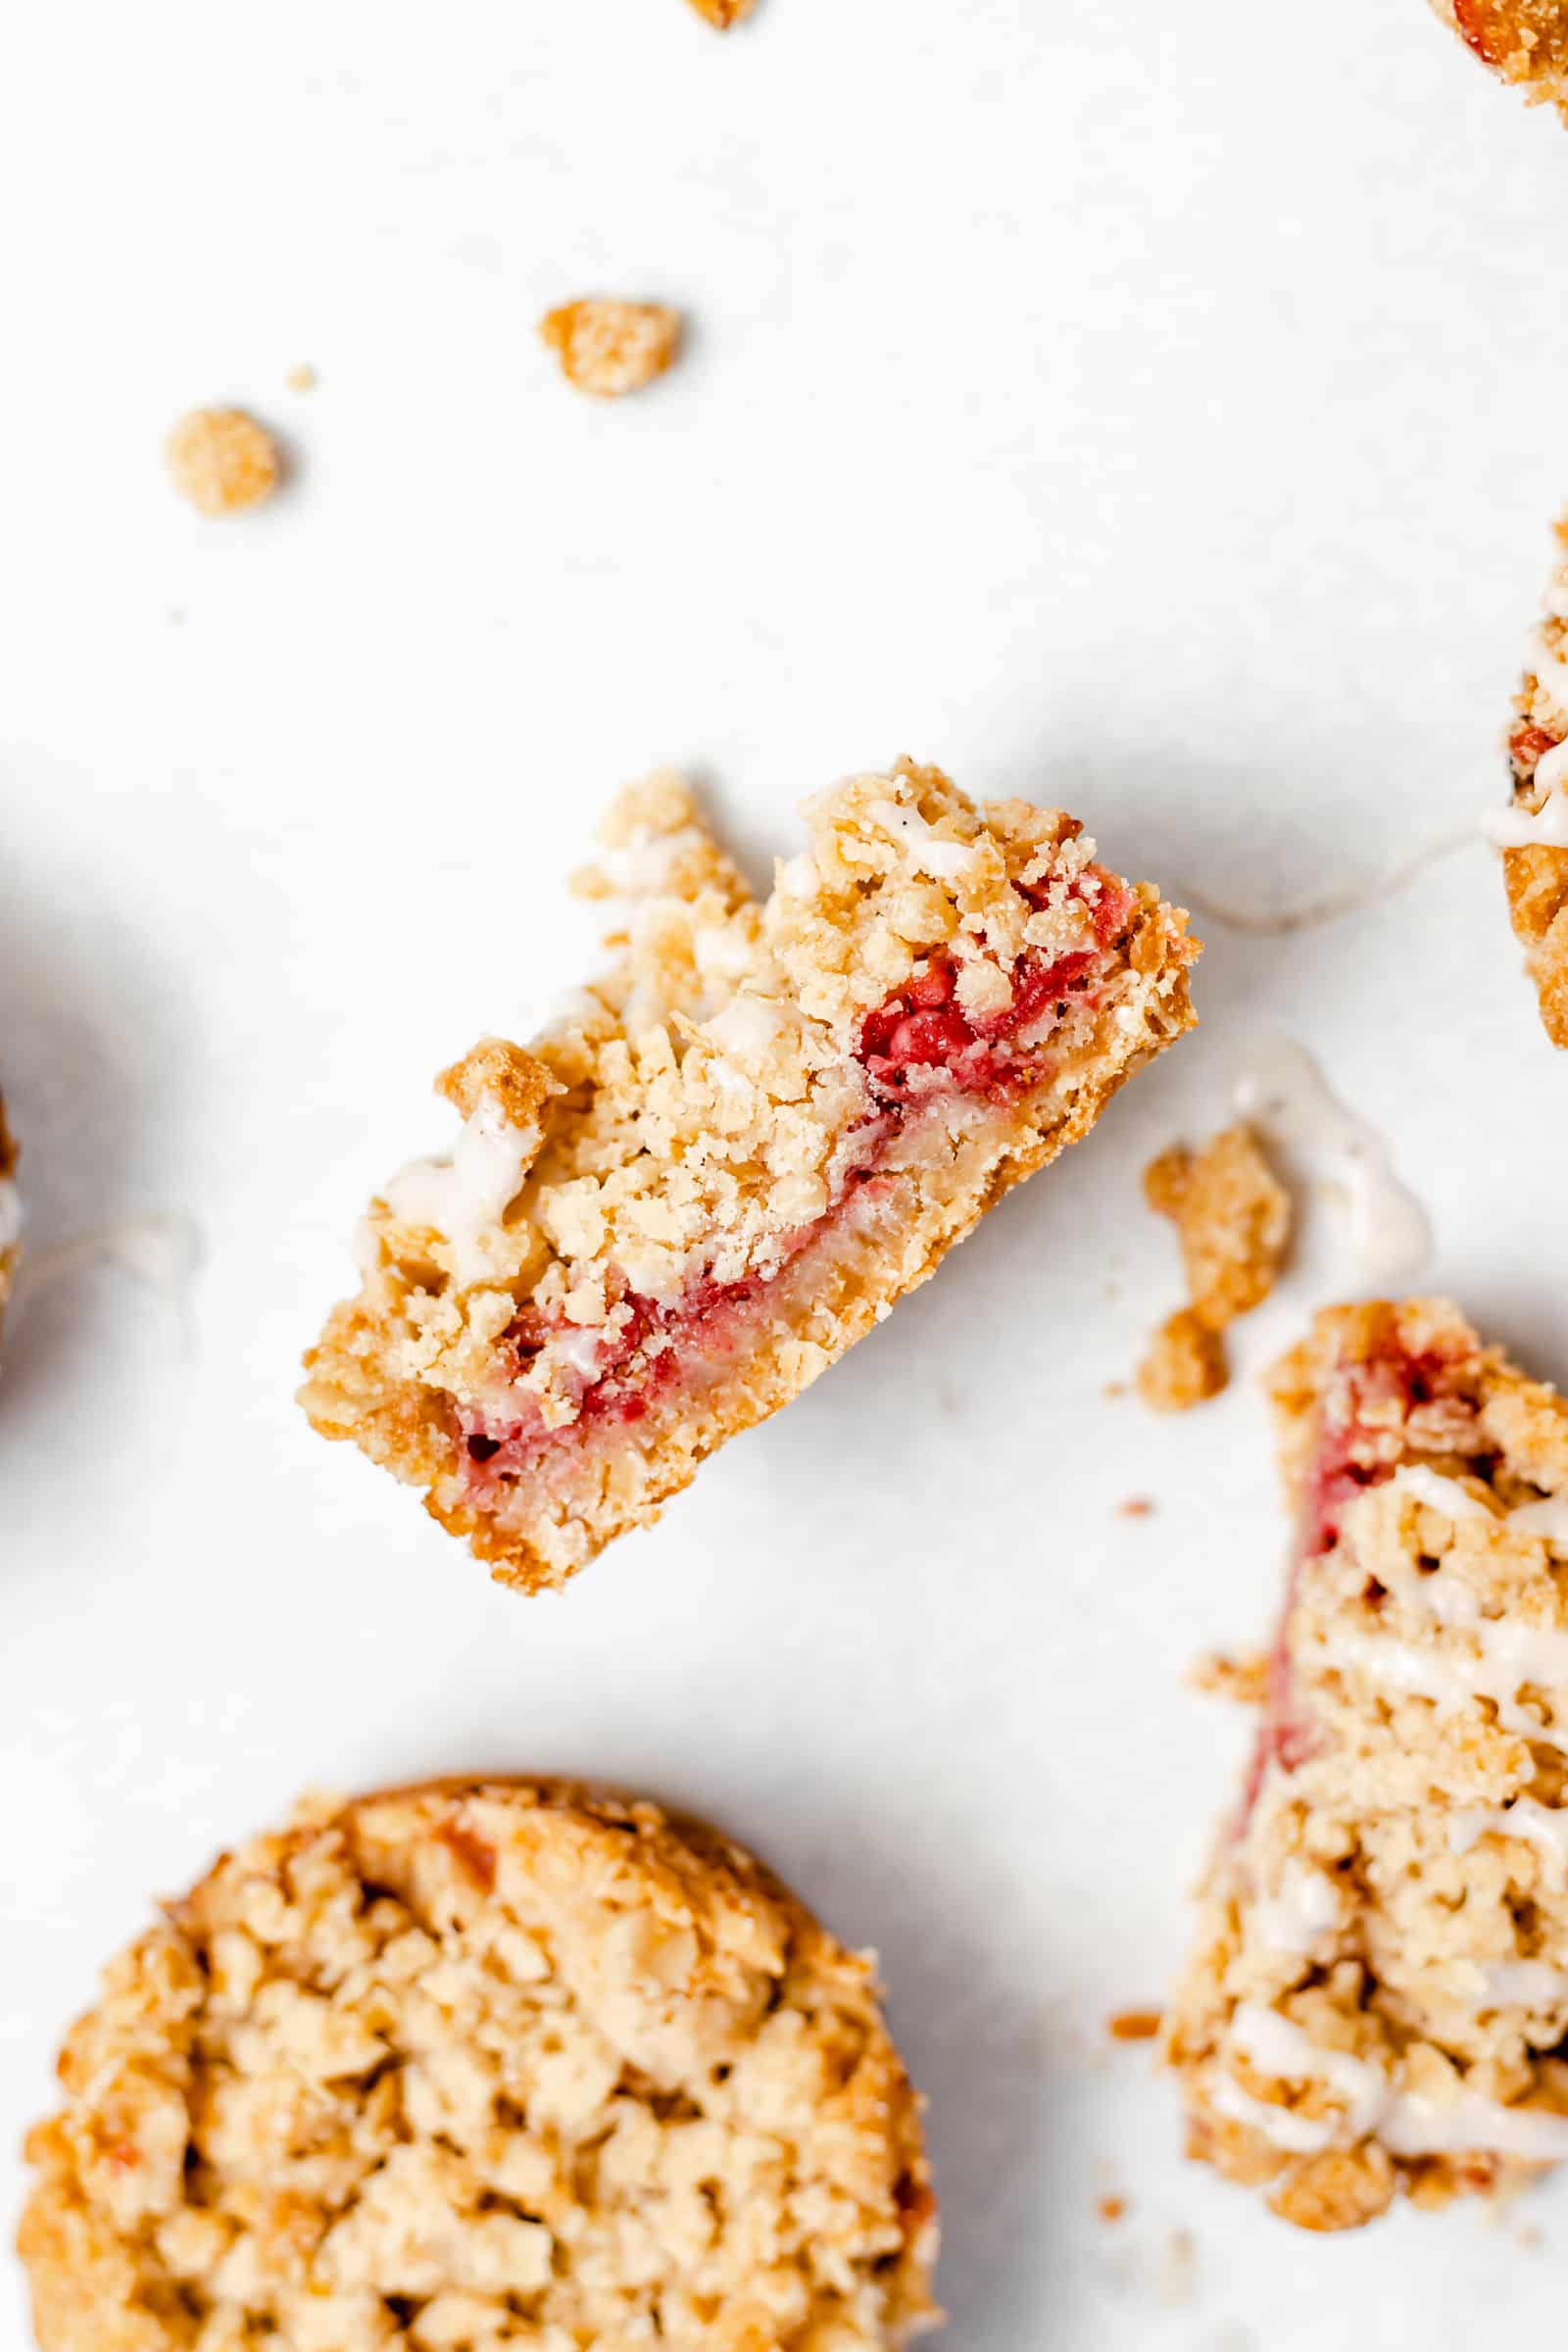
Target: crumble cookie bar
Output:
{"points": [[1533, 834], [10, 1208], [667, 1216], [1525, 41], [475, 2065], [1380, 1993]]}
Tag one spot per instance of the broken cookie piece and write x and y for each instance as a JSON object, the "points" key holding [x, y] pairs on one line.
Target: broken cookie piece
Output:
{"points": [[1233, 1218], [1378, 1999], [733, 1156]]}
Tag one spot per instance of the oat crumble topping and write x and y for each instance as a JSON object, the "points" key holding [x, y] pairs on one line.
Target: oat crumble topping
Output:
{"points": [[482, 2065]]}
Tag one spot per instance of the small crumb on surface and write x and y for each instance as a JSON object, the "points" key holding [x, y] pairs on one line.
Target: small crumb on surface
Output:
{"points": [[1133, 2024], [1243, 1680], [1111, 2209], [222, 460], [1184, 1365], [610, 348], [723, 12], [1137, 1506], [1179, 2269], [303, 378], [1233, 1218]]}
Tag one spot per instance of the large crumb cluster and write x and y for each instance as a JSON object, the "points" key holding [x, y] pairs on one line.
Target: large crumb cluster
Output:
{"points": [[222, 460], [1233, 1218], [610, 348], [1525, 41], [696, 1117], [478, 2066], [1536, 873], [1380, 1991]]}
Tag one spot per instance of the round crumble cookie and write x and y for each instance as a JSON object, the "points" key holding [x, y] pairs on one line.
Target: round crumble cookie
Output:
{"points": [[478, 2063]]}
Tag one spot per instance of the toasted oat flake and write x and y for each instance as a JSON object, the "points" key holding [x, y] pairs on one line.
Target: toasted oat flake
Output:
{"points": [[610, 348], [223, 461]]}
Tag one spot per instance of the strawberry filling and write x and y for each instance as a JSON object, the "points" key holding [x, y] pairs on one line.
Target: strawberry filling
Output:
{"points": [[1354, 1453], [1527, 747], [923, 1027]]}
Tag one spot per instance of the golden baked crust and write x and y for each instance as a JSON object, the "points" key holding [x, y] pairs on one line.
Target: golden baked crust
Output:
{"points": [[1381, 1982], [1233, 1217], [735, 1152], [1535, 868], [1525, 41], [10, 1208], [480, 2064], [608, 348]]}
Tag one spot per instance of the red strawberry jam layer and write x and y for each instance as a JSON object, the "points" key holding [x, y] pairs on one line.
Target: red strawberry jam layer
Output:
{"points": [[922, 1028], [1526, 748], [1368, 1402]]}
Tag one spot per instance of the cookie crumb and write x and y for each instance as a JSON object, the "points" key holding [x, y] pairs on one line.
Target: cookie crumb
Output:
{"points": [[722, 13], [1111, 2209], [1243, 1680], [1233, 1218], [1178, 2275], [1137, 1506], [303, 378], [1134, 2025], [610, 348], [1184, 1365], [222, 460]]}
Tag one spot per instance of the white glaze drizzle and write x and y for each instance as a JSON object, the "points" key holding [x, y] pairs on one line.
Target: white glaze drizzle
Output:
{"points": [[1543, 1827], [1278, 1086], [929, 851], [161, 1253], [1303, 1909], [1406, 2124], [465, 1196]]}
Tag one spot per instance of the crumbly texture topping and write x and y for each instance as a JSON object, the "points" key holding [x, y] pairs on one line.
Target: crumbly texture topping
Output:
{"points": [[721, 1106], [1381, 1986], [222, 460], [1536, 876], [1525, 41], [610, 348], [481, 2065], [1233, 1218]]}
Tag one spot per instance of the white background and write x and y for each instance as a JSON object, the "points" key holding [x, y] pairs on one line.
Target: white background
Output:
{"points": [[1158, 410]]}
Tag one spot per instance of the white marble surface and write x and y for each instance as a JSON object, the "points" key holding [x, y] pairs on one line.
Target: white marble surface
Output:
{"points": [[1158, 410]]}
